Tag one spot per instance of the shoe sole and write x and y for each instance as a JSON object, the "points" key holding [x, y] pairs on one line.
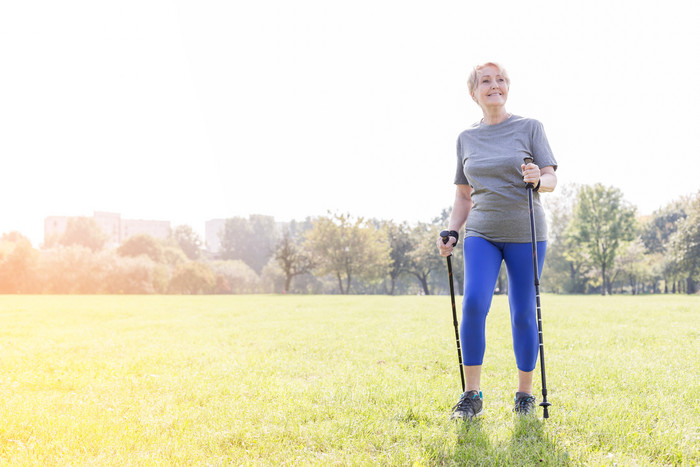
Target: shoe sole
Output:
{"points": [[478, 414]]}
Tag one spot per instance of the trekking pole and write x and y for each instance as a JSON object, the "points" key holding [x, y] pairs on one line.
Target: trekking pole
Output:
{"points": [[544, 404], [445, 238]]}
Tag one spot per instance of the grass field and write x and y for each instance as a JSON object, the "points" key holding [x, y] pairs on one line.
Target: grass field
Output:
{"points": [[330, 380]]}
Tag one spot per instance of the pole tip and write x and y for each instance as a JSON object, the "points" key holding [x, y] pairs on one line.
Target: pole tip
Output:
{"points": [[545, 405]]}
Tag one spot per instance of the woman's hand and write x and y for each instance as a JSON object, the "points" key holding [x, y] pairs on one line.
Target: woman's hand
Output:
{"points": [[544, 176], [531, 173], [446, 249]]}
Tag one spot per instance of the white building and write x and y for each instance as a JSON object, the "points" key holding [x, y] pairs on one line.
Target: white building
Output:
{"points": [[116, 228], [212, 234]]}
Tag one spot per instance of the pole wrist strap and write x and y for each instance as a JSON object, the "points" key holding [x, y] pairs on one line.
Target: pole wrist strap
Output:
{"points": [[450, 233]]}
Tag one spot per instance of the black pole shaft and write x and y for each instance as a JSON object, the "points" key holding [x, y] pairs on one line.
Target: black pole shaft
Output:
{"points": [[535, 269], [454, 320]]}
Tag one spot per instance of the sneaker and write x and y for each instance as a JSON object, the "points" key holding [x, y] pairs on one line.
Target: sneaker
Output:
{"points": [[524, 403], [470, 405]]}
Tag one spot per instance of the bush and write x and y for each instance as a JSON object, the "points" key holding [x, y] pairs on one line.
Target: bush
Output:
{"points": [[192, 278], [131, 275], [235, 277], [18, 263], [272, 278], [142, 245], [72, 269]]}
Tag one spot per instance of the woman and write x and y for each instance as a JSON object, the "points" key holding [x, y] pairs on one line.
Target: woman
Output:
{"points": [[492, 200]]}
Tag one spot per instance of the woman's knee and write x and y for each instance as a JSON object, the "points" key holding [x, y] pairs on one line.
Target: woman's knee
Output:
{"points": [[523, 318], [476, 306]]}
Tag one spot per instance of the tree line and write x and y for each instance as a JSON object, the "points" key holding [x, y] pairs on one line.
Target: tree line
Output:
{"points": [[597, 244]]}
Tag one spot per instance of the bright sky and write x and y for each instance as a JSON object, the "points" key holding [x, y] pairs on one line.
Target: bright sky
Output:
{"points": [[192, 110]]}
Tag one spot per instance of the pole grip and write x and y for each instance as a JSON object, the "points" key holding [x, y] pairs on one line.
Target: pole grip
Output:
{"points": [[445, 236], [528, 160]]}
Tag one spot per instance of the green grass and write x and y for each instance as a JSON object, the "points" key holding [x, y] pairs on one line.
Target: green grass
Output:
{"points": [[329, 380]]}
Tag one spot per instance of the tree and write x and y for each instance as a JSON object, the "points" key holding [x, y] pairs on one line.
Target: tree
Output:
{"points": [[236, 239], [83, 231], [602, 220], [173, 255], [657, 232], [565, 259], [188, 240], [131, 275], [348, 248], [18, 262], [292, 258], [142, 244], [251, 240], [684, 245], [631, 265], [401, 245], [72, 270], [425, 258]]}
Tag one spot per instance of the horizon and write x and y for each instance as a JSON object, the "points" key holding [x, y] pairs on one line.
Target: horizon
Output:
{"points": [[39, 238]]}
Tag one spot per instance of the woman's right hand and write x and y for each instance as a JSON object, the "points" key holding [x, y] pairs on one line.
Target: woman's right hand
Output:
{"points": [[446, 248]]}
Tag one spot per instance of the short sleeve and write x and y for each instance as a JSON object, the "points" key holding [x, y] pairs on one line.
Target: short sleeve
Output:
{"points": [[541, 152], [460, 178]]}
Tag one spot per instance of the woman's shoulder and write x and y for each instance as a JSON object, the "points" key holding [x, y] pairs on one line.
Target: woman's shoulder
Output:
{"points": [[514, 121], [473, 127], [471, 131], [525, 121]]}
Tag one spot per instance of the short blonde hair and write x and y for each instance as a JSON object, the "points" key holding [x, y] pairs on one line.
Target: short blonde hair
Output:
{"points": [[472, 82]]}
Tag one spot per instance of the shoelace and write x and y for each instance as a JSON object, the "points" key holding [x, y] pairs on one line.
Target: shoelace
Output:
{"points": [[466, 402], [525, 403]]}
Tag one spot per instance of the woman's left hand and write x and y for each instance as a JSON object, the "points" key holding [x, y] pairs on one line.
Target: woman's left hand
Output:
{"points": [[531, 173]]}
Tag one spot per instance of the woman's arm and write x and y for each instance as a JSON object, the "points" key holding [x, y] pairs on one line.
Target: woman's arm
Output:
{"points": [[548, 179], [544, 176], [460, 211], [461, 208]]}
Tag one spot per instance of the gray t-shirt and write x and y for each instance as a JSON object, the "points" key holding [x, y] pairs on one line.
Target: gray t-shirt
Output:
{"points": [[489, 159]]}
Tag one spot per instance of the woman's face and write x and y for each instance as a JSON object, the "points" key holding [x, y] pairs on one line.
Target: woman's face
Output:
{"points": [[491, 89]]}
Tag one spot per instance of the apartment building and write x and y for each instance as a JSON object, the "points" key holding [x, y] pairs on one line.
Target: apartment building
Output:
{"points": [[212, 234], [116, 228]]}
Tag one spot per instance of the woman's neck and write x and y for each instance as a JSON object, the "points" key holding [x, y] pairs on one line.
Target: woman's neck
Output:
{"points": [[495, 117]]}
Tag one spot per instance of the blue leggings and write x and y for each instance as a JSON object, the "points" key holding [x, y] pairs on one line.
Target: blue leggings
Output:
{"points": [[482, 263]]}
